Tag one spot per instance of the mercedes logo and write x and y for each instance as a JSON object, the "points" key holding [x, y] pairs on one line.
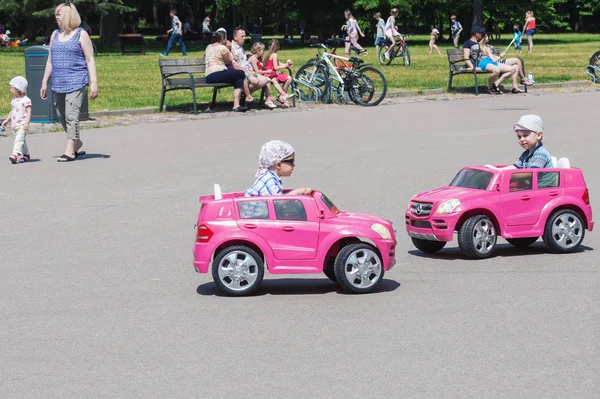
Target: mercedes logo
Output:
{"points": [[419, 209]]}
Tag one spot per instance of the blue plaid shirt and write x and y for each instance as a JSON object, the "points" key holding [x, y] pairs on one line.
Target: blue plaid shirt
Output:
{"points": [[266, 184], [538, 158]]}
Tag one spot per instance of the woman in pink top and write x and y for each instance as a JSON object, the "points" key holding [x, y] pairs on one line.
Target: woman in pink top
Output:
{"points": [[529, 29]]}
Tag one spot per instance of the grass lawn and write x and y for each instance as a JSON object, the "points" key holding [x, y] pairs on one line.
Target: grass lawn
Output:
{"points": [[133, 80]]}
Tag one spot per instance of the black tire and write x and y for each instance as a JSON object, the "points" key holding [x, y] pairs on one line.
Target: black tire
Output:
{"points": [[228, 284], [330, 273], [382, 59], [522, 242], [406, 57], [370, 271], [477, 237], [369, 87], [595, 62], [573, 234], [428, 246]]}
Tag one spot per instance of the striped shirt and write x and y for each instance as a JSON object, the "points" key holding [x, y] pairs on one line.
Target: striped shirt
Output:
{"points": [[266, 184], [539, 157]]}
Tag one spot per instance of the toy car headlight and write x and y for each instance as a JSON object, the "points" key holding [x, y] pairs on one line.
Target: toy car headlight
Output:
{"points": [[382, 231], [447, 206]]}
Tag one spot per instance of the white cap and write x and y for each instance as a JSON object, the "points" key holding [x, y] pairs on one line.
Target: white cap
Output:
{"points": [[435, 31], [530, 122], [19, 83], [222, 30]]}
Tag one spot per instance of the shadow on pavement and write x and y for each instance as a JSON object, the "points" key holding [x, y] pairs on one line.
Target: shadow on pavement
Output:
{"points": [[502, 251], [296, 286], [87, 156]]}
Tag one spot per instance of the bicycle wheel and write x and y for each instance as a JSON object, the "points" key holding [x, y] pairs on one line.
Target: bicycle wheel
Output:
{"points": [[594, 67], [406, 56], [382, 59], [368, 87], [315, 74]]}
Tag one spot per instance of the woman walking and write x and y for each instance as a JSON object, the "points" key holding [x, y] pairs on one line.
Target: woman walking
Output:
{"points": [[72, 67]]}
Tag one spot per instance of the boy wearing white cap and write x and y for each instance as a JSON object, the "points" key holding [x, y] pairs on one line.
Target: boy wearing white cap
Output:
{"points": [[530, 131], [19, 117]]}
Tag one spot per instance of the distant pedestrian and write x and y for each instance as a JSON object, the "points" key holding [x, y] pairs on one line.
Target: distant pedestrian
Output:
{"points": [[529, 29], [206, 29], [176, 34], [518, 36], [380, 36], [353, 30], [456, 29], [19, 117], [432, 45]]}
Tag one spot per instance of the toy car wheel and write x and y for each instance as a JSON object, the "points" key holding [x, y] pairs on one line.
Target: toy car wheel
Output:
{"points": [[564, 231], [522, 242], [428, 246], [477, 237], [238, 270], [358, 268]]}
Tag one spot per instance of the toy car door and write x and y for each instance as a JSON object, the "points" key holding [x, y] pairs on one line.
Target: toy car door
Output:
{"points": [[294, 235], [519, 199]]}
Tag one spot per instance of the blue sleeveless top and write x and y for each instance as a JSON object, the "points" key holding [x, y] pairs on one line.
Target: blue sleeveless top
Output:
{"points": [[69, 69]]}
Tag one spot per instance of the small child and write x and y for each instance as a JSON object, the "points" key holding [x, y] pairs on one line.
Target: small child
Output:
{"points": [[517, 35], [276, 160], [380, 38], [19, 117], [530, 131], [258, 50], [271, 62], [353, 30], [432, 46]]}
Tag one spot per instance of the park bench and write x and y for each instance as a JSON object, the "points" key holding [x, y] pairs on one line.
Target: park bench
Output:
{"points": [[458, 66], [181, 74], [132, 39]]}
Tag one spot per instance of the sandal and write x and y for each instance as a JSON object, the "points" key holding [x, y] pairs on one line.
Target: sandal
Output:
{"points": [[79, 154], [527, 82], [281, 100], [66, 158], [517, 91], [490, 90], [497, 89], [285, 104]]}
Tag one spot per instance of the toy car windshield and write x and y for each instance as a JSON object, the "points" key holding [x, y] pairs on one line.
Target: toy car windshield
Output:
{"points": [[472, 178], [329, 204]]}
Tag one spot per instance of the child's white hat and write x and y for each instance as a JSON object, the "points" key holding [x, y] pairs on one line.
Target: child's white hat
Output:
{"points": [[530, 122], [19, 83], [435, 31]]}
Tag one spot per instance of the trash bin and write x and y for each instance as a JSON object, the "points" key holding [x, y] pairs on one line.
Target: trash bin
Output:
{"points": [[43, 111]]}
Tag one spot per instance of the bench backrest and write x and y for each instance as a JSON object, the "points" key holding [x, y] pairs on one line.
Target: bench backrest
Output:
{"points": [[455, 55], [191, 65]]}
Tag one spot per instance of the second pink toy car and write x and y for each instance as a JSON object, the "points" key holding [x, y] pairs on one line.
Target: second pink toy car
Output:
{"points": [[483, 203], [238, 237]]}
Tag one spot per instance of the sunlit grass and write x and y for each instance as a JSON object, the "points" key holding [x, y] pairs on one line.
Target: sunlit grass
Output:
{"points": [[133, 80]]}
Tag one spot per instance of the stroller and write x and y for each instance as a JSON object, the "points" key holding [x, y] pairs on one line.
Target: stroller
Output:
{"points": [[593, 69]]}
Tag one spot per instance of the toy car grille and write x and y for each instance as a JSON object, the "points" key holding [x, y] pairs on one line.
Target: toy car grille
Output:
{"points": [[421, 208]]}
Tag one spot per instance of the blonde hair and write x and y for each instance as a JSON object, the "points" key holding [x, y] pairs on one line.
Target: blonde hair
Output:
{"points": [[70, 17], [394, 11], [256, 47], [273, 48]]}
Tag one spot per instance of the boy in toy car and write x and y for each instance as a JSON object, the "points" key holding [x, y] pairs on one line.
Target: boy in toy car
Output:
{"points": [[530, 131]]}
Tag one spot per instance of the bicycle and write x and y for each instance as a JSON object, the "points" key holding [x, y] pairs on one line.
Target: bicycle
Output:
{"points": [[394, 53], [346, 82], [593, 69]]}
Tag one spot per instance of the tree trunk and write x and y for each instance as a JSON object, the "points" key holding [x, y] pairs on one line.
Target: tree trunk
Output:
{"points": [[478, 12], [110, 27], [155, 14]]}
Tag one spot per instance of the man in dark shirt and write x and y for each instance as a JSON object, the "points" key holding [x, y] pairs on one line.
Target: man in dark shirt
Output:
{"points": [[471, 47]]}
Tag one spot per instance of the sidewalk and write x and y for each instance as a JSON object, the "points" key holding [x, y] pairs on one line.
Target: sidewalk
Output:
{"points": [[129, 117]]}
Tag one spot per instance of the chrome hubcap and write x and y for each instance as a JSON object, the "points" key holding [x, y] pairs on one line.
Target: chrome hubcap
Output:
{"points": [[567, 231], [238, 271], [363, 268], [484, 236]]}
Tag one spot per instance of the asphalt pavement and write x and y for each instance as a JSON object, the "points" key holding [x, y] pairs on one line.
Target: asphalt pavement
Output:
{"points": [[99, 299]]}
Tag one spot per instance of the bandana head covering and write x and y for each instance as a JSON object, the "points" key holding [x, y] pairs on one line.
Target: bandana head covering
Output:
{"points": [[272, 152]]}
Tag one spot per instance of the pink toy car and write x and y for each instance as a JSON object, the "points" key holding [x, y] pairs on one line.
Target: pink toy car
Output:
{"points": [[520, 205], [237, 235]]}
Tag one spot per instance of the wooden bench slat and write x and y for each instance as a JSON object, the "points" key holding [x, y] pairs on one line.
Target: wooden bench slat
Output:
{"points": [[166, 70]]}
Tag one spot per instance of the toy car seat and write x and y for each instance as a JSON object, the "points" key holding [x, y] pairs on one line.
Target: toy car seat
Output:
{"points": [[218, 192], [554, 161], [563, 163]]}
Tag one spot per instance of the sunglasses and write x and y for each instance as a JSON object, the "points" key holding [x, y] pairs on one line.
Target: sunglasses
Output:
{"points": [[290, 161], [68, 3]]}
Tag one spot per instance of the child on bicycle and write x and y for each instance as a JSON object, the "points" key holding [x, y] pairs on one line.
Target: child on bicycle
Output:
{"points": [[391, 32], [432, 46], [271, 62], [353, 31], [276, 160]]}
